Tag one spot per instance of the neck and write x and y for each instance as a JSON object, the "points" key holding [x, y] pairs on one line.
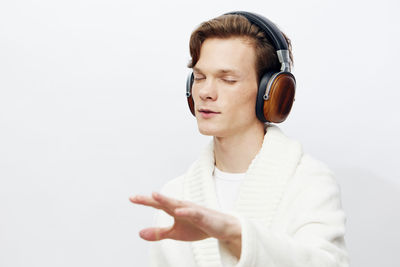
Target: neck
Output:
{"points": [[235, 153]]}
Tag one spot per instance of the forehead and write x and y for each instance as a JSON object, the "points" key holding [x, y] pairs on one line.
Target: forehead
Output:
{"points": [[236, 54]]}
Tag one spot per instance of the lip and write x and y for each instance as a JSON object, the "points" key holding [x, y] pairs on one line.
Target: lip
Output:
{"points": [[208, 113]]}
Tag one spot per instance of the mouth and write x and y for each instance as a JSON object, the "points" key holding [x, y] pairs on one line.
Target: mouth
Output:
{"points": [[208, 111]]}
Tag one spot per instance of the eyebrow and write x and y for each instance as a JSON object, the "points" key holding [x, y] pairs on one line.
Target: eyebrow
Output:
{"points": [[220, 71]]}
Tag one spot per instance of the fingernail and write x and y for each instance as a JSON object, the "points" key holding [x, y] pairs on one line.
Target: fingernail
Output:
{"points": [[143, 234]]}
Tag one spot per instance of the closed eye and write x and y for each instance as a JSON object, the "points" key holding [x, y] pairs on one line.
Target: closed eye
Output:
{"points": [[198, 77], [229, 81]]}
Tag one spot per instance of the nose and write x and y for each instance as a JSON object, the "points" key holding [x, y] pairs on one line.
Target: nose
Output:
{"points": [[207, 90]]}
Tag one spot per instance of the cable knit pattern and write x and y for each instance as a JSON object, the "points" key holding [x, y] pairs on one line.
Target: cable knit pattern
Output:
{"points": [[288, 205]]}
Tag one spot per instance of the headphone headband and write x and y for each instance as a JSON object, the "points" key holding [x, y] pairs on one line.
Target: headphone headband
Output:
{"points": [[273, 34]]}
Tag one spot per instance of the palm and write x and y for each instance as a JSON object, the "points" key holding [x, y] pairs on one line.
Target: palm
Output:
{"points": [[186, 231]]}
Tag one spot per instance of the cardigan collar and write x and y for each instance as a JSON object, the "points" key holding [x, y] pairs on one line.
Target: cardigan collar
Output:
{"points": [[259, 194]]}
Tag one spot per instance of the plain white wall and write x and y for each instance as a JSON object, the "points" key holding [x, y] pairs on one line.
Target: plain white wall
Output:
{"points": [[92, 111]]}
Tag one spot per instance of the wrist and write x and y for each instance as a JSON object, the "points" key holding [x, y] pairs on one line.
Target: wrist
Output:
{"points": [[233, 241]]}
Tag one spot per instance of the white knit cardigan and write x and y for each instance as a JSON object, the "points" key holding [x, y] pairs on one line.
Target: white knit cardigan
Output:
{"points": [[289, 208]]}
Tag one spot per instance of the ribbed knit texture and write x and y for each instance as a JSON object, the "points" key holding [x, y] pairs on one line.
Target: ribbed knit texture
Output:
{"points": [[260, 192], [288, 206]]}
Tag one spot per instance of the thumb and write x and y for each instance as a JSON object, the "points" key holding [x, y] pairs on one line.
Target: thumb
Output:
{"points": [[155, 233]]}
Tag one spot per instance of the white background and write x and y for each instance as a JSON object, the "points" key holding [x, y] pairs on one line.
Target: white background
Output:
{"points": [[92, 111]]}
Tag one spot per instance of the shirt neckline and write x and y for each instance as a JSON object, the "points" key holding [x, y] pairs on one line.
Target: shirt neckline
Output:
{"points": [[229, 176]]}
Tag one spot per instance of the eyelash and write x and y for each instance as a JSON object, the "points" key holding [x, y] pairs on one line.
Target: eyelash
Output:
{"points": [[229, 81], [225, 80]]}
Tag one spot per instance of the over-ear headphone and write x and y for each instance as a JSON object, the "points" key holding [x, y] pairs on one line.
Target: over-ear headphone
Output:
{"points": [[276, 90]]}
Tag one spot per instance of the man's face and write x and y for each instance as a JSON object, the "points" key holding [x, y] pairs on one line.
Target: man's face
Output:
{"points": [[225, 87]]}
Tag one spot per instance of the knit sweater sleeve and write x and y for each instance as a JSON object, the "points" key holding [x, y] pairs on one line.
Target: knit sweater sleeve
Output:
{"points": [[311, 225]]}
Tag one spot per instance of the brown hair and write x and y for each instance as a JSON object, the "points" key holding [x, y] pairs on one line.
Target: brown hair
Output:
{"points": [[227, 26]]}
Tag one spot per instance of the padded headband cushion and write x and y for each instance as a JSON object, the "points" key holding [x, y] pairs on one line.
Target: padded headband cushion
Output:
{"points": [[273, 33]]}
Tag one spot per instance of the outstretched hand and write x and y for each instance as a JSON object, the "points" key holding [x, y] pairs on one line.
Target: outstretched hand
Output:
{"points": [[192, 222]]}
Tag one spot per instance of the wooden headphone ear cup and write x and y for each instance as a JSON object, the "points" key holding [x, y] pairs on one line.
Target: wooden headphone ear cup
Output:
{"points": [[191, 104], [281, 97], [260, 103]]}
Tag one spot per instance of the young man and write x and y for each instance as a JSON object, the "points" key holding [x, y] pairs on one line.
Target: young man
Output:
{"points": [[253, 198]]}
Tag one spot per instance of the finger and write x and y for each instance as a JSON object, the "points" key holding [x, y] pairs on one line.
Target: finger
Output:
{"points": [[150, 202], [213, 223], [154, 233], [146, 201], [168, 202]]}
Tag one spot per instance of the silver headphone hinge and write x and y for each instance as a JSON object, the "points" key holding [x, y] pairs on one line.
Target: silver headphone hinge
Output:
{"points": [[284, 59]]}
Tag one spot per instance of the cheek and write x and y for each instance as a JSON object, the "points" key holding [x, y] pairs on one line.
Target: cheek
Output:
{"points": [[245, 99], [194, 93]]}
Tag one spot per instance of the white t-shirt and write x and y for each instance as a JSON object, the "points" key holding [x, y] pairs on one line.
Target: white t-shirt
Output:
{"points": [[227, 187]]}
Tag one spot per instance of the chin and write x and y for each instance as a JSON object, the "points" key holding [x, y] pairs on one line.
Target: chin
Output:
{"points": [[211, 130], [206, 128], [207, 132]]}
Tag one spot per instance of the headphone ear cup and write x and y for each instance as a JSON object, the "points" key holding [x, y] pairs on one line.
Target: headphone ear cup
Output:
{"points": [[281, 97], [281, 88], [260, 102], [189, 84]]}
